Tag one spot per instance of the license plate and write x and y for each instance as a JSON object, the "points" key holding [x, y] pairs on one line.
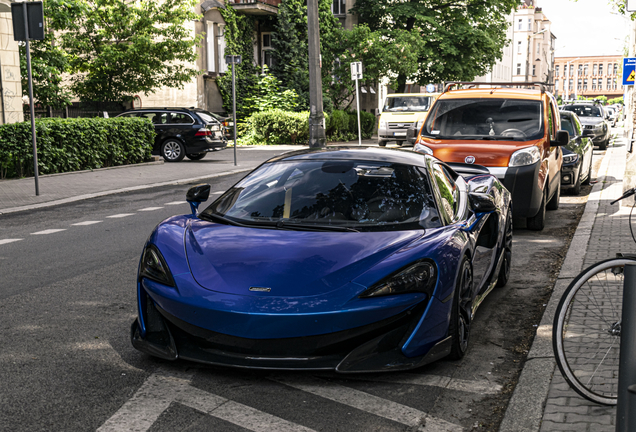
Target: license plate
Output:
{"points": [[399, 133]]}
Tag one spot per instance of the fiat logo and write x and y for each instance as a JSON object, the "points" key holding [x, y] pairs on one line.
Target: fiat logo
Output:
{"points": [[470, 159]]}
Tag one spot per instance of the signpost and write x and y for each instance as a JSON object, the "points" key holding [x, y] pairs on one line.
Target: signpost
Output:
{"points": [[629, 70], [28, 24], [356, 74], [233, 60], [430, 88]]}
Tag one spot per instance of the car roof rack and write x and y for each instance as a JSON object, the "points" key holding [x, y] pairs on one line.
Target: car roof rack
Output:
{"points": [[542, 86]]}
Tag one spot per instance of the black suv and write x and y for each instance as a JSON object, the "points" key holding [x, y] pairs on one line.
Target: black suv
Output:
{"points": [[593, 118], [190, 132]]}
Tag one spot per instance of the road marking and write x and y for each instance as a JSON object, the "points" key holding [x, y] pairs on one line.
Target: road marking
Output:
{"points": [[5, 241], [150, 209], [176, 203], [121, 215], [86, 223], [469, 386], [163, 388], [367, 402], [48, 231]]}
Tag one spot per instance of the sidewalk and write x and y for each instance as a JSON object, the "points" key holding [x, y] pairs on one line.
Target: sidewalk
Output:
{"points": [[542, 400]]}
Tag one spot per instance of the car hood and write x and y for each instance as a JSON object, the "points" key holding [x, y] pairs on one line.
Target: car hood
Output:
{"points": [[591, 120], [284, 263]]}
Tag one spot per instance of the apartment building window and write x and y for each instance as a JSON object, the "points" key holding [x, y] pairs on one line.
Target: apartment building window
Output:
{"points": [[593, 83], [534, 70], [586, 69], [267, 50], [518, 68], [572, 70], [211, 42], [609, 84], [614, 87], [570, 84], [594, 68], [580, 70], [579, 84], [538, 48], [519, 47], [615, 68], [556, 84], [520, 27], [585, 84], [556, 71], [600, 69], [529, 24], [339, 7], [600, 83]]}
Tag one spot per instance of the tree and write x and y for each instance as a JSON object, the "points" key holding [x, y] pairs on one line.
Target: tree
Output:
{"points": [[460, 39], [118, 48]]}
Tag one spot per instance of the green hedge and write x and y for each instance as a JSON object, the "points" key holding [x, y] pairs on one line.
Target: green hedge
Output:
{"points": [[74, 144], [286, 127]]}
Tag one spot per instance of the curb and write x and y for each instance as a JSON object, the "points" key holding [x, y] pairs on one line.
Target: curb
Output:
{"points": [[116, 191], [525, 408]]}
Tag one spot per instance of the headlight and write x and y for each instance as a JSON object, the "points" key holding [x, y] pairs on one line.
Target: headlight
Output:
{"points": [[154, 267], [571, 158], [421, 148], [526, 156], [418, 277], [382, 124], [419, 125]]}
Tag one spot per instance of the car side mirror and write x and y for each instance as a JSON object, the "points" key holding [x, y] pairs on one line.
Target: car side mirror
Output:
{"points": [[562, 138], [196, 195], [587, 133], [481, 202]]}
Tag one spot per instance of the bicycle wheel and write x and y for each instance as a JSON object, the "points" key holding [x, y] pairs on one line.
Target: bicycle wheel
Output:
{"points": [[587, 328]]}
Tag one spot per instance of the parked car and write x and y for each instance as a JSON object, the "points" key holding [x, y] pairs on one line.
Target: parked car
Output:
{"points": [[353, 259], [577, 155], [182, 132], [612, 114], [228, 125], [402, 111], [513, 132], [593, 118]]}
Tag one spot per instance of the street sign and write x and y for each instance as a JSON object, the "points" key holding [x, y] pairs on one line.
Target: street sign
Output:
{"points": [[35, 20], [631, 6], [430, 88], [232, 59], [356, 71], [629, 70]]}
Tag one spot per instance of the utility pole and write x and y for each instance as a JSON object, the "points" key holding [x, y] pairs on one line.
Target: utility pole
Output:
{"points": [[317, 137]]}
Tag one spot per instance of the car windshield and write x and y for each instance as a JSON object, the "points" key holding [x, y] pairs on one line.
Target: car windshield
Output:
{"points": [[207, 117], [407, 103], [365, 196], [485, 119], [584, 110]]}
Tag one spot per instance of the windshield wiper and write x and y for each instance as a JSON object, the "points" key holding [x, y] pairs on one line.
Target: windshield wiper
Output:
{"points": [[316, 227], [213, 217], [275, 224]]}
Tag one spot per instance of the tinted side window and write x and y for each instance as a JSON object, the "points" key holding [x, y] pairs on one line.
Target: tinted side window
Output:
{"points": [[551, 121], [448, 192], [180, 118], [159, 118]]}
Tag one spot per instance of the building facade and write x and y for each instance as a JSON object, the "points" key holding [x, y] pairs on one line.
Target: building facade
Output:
{"points": [[10, 77], [588, 76]]}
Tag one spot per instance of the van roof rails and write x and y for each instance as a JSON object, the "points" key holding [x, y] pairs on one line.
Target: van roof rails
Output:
{"points": [[449, 85]]}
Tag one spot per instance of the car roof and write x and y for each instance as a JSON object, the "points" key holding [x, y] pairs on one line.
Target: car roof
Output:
{"points": [[412, 94], [493, 93], [371, 154]]}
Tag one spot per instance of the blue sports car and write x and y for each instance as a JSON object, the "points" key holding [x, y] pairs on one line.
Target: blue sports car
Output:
{"points": [[353, 259]]}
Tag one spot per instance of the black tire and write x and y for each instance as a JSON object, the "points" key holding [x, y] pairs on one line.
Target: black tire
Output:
{"points": [[537, 222], [459, 328], [576, 190], [587, 320], [172, 150], [400, 143], [603, 144], [196, 156], [382, 143], [506, 265], [553, 204], [589, 174]]}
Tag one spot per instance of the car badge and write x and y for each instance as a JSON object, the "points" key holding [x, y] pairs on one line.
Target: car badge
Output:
{"points": [[260, 289], [470, 159]]}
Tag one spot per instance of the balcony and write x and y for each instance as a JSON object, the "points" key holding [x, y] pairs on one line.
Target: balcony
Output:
{"points": [[256, 7]]}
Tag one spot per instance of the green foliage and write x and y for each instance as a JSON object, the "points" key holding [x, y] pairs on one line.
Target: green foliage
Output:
{"points": [[269, 95], [277, 127], [115, 49], [343, 125], [74, 144], [618, 100], [239, 31], [458, 40]]}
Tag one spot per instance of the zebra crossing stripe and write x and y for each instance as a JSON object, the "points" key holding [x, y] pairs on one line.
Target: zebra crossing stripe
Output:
{"points": [[367, 402], [6, 241], [480, 387], [48, 231]]}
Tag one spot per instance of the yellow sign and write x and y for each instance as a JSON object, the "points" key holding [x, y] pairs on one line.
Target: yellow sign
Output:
{"points": [[632, 76]]}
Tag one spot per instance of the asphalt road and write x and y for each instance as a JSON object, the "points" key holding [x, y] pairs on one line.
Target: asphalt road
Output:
{"points": [[67, 299]]}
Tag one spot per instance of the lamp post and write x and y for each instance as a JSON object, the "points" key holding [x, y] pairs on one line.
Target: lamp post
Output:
{"points": [[567, 66], [317, 136], [530, 36]]}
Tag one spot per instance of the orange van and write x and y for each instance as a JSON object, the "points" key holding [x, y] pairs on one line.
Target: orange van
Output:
{"points": [[515, 133]]}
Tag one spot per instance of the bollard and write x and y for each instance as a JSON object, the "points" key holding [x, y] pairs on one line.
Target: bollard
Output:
{"points": [[627, 360]]}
